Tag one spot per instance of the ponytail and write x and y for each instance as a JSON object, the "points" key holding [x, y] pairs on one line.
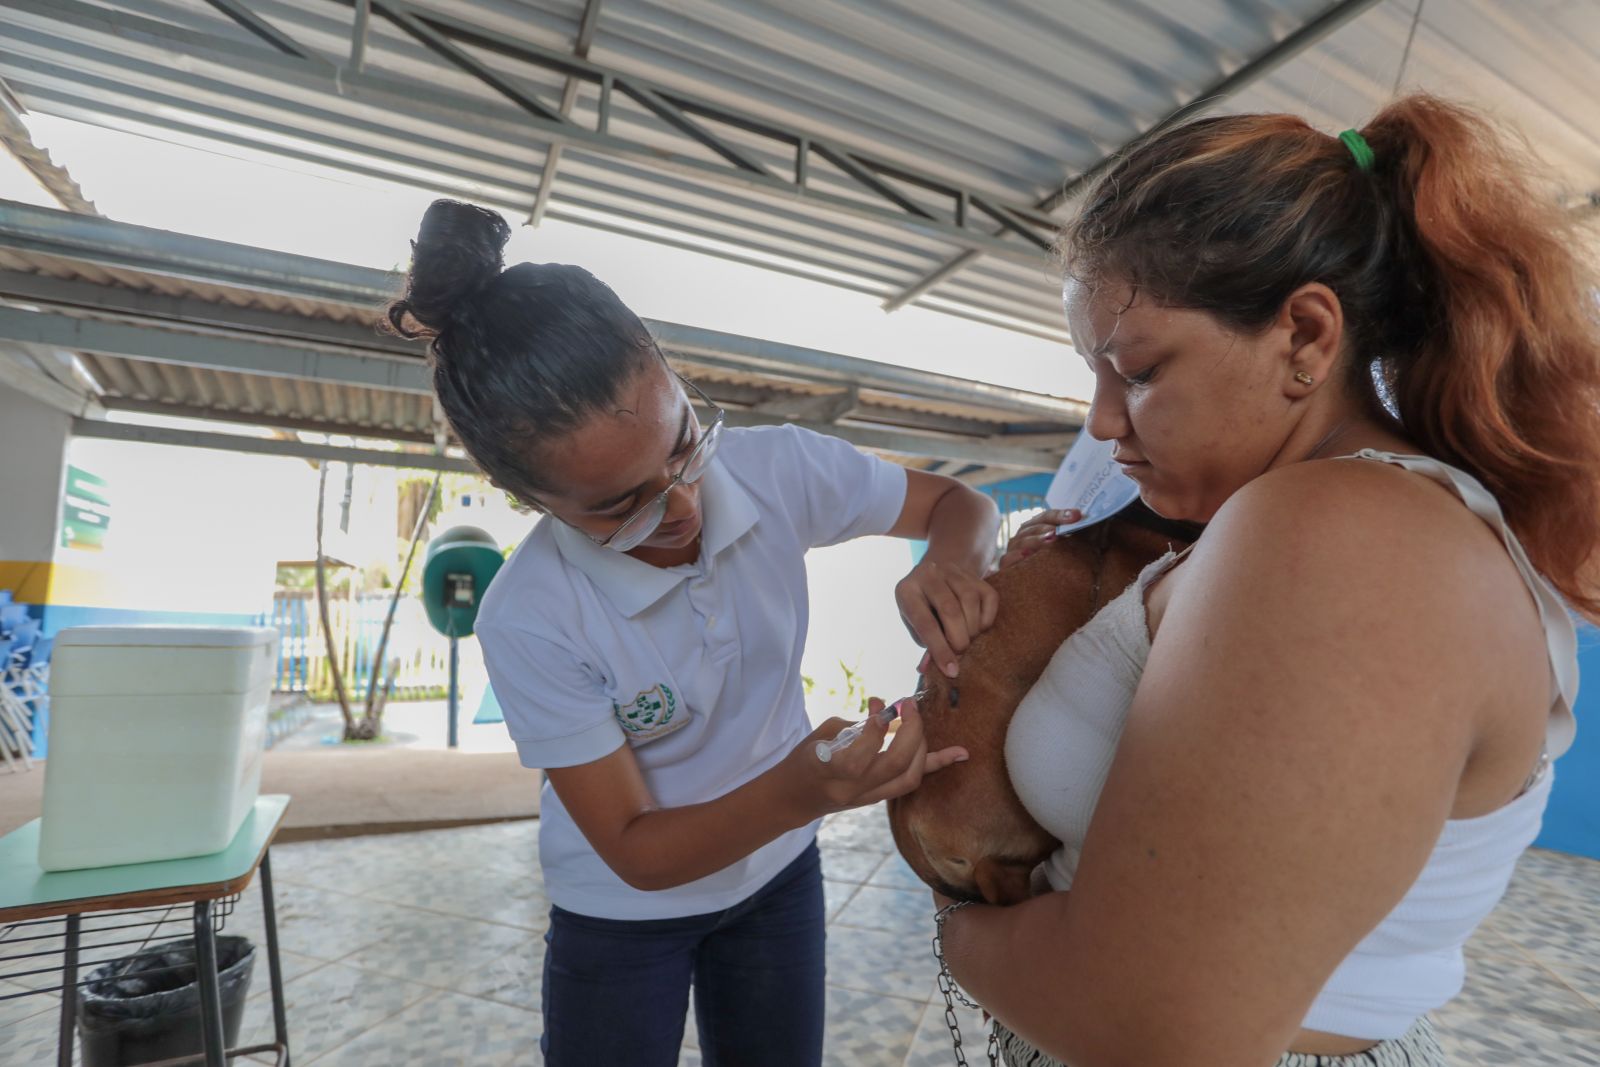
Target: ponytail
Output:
{"points": [[1473, 321], [1506, 381]]}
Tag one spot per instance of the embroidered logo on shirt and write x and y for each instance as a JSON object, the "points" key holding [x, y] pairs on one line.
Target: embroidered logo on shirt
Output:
{"points": [[653, 713]]}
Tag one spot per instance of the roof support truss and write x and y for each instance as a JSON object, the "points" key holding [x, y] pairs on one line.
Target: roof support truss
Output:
{"points": [[1336, 15], [939, 208]]}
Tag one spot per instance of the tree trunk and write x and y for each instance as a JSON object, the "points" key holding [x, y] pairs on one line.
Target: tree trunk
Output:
{"points": [[375, 700], [350, 729], [388, 688]]}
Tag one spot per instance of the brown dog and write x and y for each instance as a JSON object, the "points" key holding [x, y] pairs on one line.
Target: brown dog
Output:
{"points": [[963, 830]]}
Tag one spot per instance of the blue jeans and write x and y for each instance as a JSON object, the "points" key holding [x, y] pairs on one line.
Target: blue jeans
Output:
{"points": [[616, 991]]}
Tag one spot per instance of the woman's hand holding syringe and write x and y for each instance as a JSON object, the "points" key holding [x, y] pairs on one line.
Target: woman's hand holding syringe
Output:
{"points": [[846, 765], [844, 738]]}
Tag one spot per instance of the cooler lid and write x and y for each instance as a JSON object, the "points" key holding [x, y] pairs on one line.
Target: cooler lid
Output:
{"points": [[166, 636]]}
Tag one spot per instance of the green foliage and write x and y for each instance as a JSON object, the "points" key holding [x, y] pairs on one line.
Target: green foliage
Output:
{"points": [[846, 698]]}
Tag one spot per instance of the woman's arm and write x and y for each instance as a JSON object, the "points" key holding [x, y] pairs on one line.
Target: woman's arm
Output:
{"points": [[944, 601], [651, 847], [1292, 753]]}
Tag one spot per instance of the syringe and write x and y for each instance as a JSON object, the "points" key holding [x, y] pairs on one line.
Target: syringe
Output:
{"points": [[826, 749]]}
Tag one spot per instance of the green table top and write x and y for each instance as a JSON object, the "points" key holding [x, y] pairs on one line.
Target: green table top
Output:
{"points": [[27, 890]]}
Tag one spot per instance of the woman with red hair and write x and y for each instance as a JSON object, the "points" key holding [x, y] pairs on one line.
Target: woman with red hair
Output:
{"points": [[1314, 746]]}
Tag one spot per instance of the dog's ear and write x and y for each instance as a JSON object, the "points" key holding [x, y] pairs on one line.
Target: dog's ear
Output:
{"points": [[1002, 882]]}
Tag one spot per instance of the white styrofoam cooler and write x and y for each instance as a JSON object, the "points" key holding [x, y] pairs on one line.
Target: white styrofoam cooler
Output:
{"points": [[156, 738]]}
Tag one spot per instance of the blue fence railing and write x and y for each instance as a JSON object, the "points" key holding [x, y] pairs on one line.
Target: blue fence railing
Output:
{"points": [[1015, 509], [357, 625]]}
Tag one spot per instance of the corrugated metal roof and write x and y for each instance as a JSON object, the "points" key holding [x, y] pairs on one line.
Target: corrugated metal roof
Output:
{"points": [[207, 384], [176, 325], [291, 403], [1005, 100], [176, 389], [68, 269]]}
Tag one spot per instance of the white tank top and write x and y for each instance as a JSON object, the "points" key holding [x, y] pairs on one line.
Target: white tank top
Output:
{"points": [[1065, 732]]}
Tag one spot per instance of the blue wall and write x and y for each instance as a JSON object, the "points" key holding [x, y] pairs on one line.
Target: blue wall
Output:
{"points": [[1028, 483], [1572, 822], [1034, 484]]}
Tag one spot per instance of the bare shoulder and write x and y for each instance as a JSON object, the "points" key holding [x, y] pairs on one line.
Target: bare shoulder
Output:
{"points": [[1368, 578], [1364, 531]]}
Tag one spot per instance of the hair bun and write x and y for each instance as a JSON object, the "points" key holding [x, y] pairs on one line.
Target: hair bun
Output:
{"points": [[458, 251]]}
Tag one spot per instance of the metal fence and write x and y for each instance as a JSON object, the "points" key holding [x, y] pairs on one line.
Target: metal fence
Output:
{"points": [[424, 655], [1015, 509], [357, 624]]}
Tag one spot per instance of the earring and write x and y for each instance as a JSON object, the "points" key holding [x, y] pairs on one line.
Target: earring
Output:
{"points": [[1303, 378]]}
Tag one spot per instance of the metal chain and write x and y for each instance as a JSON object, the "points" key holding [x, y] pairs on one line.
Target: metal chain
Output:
{"points": [[953, 993]]}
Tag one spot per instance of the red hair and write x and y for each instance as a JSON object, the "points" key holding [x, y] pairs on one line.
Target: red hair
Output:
{"points": [[1473, 318]]}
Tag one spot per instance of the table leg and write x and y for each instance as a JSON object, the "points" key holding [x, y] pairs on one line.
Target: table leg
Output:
{"points": [[205, 944], [69, 993], [269, 911]]}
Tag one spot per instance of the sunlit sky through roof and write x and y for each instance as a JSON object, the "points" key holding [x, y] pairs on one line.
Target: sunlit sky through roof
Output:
{"points": [[234, 194]]}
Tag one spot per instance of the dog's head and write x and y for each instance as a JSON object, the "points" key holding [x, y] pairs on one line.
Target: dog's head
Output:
{"points": [[963, 830]]}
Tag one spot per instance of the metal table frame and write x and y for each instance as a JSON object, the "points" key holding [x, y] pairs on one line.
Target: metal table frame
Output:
{"points": [[65, 897]]}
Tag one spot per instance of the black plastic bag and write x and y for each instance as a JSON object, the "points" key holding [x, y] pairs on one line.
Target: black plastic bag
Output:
{"points": [[146, 1006]]}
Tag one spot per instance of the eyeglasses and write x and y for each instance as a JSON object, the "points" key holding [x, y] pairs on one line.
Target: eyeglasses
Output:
{"points": [[636, 528]]}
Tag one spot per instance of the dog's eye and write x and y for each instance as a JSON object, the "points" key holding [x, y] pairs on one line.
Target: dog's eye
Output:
{"points": [[959, 862]]}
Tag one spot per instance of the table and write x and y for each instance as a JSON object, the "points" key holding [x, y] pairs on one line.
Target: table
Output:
{"points": [[30, 896]]}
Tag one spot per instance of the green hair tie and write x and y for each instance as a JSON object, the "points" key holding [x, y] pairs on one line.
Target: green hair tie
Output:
{"points": [[1359, 148]]}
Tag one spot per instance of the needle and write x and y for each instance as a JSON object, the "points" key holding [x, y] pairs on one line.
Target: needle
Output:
{"points": [[826, 749]]}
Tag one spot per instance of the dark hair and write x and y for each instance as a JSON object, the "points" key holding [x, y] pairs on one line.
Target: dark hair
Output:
{"points": [[519, 355], [1466, 303]]}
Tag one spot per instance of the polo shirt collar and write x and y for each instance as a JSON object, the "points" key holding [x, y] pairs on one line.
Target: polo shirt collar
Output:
{"points": [[727, 514]]}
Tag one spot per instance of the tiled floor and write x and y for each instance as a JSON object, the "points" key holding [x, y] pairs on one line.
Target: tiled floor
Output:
{"points": [[424, 949]]}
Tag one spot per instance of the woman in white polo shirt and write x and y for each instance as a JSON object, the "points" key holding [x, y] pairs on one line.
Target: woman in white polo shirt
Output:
{"points": [[645, 642]]}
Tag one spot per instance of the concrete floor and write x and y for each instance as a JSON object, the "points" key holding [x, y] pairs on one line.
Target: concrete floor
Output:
{"points": [[424, 948]]}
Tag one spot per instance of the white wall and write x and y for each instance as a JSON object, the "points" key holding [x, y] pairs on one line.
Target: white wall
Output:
{"points": [[854, 620], [33, 443], [192, 529]]}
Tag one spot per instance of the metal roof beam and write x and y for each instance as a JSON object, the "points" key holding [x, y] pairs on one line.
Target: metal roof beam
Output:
{"points": [[122, 246], [267, 446], [85, 299], [569, 97], [221, 350], [404, 96], [437, 43], [1008, 461], [216, 350], [94, 300], [261, 28], [673, 116], [20, 370], [902, 443], [358, 35], [863, 175], [264, 418], [985, 476], [161, 435], [825, 407], [861, 168], [198, 259], [1335, 16], [695, 343]]}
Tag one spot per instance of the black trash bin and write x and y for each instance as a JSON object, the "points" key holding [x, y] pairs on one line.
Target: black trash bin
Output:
{"points": [[146, 1007]]}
